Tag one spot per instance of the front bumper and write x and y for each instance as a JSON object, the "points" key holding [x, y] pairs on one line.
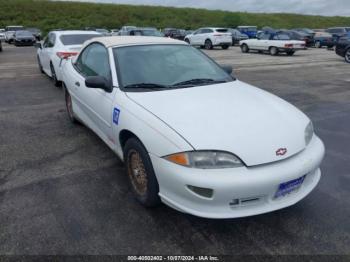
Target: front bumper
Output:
{"points": [[259, 183], [24, 42]]}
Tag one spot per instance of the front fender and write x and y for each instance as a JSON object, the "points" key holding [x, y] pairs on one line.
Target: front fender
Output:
{"points": [[158, 138]]}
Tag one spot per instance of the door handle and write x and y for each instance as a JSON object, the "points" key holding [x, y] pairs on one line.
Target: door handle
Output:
{"points": [[77, 83]]}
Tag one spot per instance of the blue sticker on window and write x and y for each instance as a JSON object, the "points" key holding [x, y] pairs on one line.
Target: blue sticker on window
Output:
{"points": [[116, 113]]}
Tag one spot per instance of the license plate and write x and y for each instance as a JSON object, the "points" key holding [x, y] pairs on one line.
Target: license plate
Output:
{"points": [[288, 187]]}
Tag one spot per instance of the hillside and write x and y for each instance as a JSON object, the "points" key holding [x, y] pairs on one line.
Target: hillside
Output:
{"points": [[48, 15]]}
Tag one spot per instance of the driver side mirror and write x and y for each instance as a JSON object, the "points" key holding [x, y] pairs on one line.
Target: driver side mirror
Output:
{"points": [[38, 45], [227, 68], [98, 82]]}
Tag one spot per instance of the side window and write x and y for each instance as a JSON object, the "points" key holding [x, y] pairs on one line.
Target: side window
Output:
{"points": [[265, 36], [200, 31], [50, 41], [94, 61]]}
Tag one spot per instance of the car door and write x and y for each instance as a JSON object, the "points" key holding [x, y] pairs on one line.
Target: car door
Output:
{"points": [[206, 34], [196, 36], [263, 42], [96, 104], [47, 51]]}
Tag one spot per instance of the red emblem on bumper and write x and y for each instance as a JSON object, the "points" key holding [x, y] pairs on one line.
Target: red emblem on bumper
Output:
{"points": [[281, 152]]}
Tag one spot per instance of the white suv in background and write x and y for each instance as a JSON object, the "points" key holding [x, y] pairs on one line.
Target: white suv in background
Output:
{"points": [[209, 37], [59, 45]]}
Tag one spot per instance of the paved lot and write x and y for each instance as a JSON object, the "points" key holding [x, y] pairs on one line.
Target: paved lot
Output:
{"points": [[62, 191]]}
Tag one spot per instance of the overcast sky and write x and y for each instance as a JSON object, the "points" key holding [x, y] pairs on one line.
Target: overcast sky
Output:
{"points": [[315, 7]]}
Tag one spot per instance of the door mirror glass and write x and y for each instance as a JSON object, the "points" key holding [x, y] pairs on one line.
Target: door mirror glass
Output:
{"points": [[98, 82]]}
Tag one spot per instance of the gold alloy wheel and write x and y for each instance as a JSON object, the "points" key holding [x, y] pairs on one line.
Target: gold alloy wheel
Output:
{"points": [[137, 172]]}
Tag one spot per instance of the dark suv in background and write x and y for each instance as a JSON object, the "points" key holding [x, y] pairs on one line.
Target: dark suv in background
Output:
{"points": [[338, 32], [342, 48]]}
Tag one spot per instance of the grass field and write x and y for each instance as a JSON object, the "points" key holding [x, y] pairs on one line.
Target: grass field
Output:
{"points": [[48, 15]]}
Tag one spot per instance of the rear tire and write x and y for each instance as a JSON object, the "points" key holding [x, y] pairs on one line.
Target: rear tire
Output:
{"points": [[225, 47], [141, 173], [208, 44], [245, 48], [273, 51], [318, 44], [54, 76]]}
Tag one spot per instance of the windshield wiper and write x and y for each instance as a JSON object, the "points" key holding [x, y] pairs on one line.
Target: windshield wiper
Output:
{"points": [[147, 86], [199, 81]]}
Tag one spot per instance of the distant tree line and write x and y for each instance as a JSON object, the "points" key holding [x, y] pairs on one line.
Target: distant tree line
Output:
{"points": [[48, 15]]}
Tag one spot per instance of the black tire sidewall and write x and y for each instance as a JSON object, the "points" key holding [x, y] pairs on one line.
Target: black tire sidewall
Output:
{"points": [[54, 76], [151, 197], [345, 57], [244, 48], [208, 44], [273, 53], [66, 95]]}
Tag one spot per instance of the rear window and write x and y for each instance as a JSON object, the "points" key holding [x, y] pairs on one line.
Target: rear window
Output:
{"points": [[222, 30], [76, 39], [14, 28]]}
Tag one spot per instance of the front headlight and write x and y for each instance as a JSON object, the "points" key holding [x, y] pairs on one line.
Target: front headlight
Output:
{"points": [[205, 159], [309, 132]]}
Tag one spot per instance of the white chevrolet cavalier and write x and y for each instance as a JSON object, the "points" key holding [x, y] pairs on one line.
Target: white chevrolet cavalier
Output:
{"points": [[190, 134]]}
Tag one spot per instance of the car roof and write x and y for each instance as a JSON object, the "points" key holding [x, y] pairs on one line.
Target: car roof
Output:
{"points": [[110, 41], [75, 32]]}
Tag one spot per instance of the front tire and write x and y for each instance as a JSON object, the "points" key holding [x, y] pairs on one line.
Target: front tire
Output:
{"points": [[69, 106], [54, 76], [187, 41], [141, 174], [273, 51], [208, 44], [290, 53], [347, 56], [40, 65], [225, 47], [245, 48]]}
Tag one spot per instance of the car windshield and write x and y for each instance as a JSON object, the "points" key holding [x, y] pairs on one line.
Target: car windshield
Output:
{"points": [[76, 39], [102, 30], [150, 32], [24, 33], [166, 65]]}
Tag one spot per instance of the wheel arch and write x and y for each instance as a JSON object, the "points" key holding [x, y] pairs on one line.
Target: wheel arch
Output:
{"points": [[125, 135]]}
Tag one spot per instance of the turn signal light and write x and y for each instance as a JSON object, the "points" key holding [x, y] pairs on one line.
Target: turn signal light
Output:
{"points": [[180, 159]]}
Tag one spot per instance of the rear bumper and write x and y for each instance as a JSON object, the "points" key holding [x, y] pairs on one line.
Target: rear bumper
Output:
{"points": [[233, 187], [283, 49], [222, 42]]}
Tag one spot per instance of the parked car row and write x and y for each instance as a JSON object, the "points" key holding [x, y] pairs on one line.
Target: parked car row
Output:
{"points": [[21, 36]]}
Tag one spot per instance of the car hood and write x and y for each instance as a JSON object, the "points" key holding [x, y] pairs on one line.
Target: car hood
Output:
{"points": [[233, 117]]}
